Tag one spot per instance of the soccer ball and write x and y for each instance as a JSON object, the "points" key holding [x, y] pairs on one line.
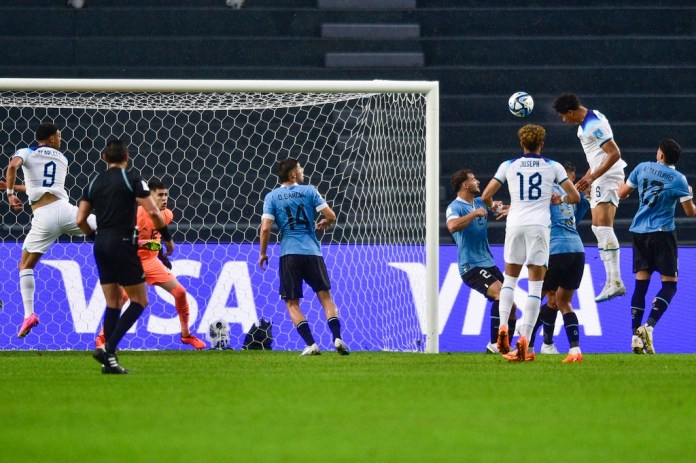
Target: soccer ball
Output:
{"points": [[521, 104]]}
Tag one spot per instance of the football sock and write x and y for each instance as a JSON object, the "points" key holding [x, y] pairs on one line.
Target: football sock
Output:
{"points": [[303, 329], [609, 250], [531, 307], [662, 300], [538, 324], [638, 304], [548, 317], [182, 308], [507, 295], [335, 327], [572, 328], [128, 319], [26, 287], [512, 323], [111, 316], [495, 321]]}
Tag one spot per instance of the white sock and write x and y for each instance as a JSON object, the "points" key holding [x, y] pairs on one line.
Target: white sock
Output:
{"points": [[610, 251], [507, 296], [26, 287], [532, 307], [574, 350]]}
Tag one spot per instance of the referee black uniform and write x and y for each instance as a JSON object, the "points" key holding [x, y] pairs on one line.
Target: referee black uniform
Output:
{"points": [[113, 196]]}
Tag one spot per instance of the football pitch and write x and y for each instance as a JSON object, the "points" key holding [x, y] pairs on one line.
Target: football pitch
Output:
{"points": [[241, 406]]}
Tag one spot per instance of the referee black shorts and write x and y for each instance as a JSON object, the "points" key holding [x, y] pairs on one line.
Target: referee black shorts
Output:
{"points": [[117, 259], [656, 251], [565, 271], [296, 268]]}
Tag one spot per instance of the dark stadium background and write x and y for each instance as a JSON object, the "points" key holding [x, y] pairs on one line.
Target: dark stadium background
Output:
{"points": [[632, 60]]}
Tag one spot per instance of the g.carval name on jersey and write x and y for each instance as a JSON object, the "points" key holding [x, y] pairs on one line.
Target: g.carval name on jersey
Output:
{"points": [[530, 180], [660, 187], [45, 169], [593, 132], [293, 208], [472, 241]]}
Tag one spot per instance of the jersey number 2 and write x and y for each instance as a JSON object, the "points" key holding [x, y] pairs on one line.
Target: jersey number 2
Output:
{"points": [[49, 174]]}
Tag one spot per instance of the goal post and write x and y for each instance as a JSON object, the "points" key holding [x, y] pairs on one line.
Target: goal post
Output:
{"points": [[364, 144]]}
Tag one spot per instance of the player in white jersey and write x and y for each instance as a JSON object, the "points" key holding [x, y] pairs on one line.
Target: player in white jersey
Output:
{"points": [[604, 178], [45, 169], [530, 180]]}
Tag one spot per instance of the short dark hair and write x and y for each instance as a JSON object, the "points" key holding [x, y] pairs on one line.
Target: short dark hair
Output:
{"points": [[156, 184], [566, 102], [569, 166], [116, 151], [285, 167], [671, 150], [45, 130], [458, 178]]}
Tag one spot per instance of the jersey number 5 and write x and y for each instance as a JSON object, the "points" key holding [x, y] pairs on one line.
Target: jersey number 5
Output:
{"points": [[49, 174], [298, 219]]}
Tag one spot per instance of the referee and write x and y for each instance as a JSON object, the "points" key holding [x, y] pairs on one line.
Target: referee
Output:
{"points": [[114, 196]]}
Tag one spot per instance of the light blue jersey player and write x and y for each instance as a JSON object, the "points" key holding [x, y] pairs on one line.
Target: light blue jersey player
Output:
{"points": [[294, 207], [467, 221], [565, 271], [660, 187]]}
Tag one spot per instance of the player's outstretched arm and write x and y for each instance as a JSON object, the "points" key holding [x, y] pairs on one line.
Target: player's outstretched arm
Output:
{"points": [[83, 211], [572, 196], [625, 190], [491, 189]]}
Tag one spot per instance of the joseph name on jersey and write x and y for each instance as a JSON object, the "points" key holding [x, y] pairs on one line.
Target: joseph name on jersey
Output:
{"points": [[660, 187], [472, 242], [530, 180], [293, 208], [593, 132], [45, 169]]}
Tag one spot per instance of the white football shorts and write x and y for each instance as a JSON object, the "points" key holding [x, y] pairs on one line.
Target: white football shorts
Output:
{"points": [[527, 244], [606, 190], [51, 221]]}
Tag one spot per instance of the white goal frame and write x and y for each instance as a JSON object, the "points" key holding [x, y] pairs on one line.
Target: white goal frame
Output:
{"points": [[432, 132]]}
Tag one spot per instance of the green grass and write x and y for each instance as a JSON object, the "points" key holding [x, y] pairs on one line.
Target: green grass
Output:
{"points": [[384, 407]]}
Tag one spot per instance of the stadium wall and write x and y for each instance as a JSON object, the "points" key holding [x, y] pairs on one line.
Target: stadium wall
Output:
{"points": [[238, 291]]}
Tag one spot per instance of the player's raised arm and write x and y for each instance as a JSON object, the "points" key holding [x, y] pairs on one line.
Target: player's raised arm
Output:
{"points": [[572, 196], [688, 204], [151, 207]]}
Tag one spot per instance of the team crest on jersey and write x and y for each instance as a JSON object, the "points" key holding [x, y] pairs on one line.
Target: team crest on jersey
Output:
{"points": [[598, 133]]}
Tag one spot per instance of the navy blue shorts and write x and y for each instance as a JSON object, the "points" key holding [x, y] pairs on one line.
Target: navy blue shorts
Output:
{"points": [[296, 268], [656, 252], [481, 278], [117, 259], [565, 271]]}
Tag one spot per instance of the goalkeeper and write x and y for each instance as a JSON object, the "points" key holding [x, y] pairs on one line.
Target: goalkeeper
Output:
{"points": [[156, 265]]}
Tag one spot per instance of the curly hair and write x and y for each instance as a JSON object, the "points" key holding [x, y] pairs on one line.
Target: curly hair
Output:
{"points": [[531, 136], [671, 150], [458, 178], [566, 102]]}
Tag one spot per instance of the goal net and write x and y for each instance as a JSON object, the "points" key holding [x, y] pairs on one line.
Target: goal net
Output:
{"points": [[216, 145]]}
